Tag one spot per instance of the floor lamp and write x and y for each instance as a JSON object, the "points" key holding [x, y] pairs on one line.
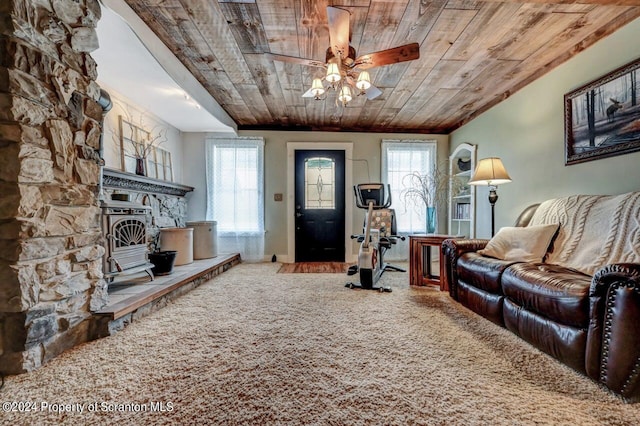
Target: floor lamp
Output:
{"points": [[491, 172]]}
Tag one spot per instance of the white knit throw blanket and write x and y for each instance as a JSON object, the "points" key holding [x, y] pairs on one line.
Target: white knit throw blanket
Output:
{"points": [[595, 230]]}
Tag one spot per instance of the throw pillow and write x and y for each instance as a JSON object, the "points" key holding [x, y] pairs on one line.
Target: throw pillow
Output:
{"points": [[522, 244]]}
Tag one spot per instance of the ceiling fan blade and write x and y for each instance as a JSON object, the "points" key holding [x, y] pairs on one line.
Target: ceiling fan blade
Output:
{"points": [[338, 31], [372, 92], [407, 52], [294, 60], [308, 94]]}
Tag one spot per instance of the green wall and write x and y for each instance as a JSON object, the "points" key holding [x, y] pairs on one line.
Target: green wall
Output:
{"points": [[527, 132], [366, 150]]}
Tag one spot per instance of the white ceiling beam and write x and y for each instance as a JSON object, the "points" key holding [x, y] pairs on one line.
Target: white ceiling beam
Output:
{"points": [[167, 60]]}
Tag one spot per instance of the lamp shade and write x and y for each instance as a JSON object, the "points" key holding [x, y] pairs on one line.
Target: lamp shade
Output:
{"points": [[364, 81], [490, 171], [345, 94], [317, 88], [333, 73]]}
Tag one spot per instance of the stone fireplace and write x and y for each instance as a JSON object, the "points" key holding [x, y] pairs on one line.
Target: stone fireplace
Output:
{"points": [[130, 227], [52, 275], [50, 125]]}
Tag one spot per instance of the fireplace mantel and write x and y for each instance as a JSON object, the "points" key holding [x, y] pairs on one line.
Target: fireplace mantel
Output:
{"points": [[117, 179]]}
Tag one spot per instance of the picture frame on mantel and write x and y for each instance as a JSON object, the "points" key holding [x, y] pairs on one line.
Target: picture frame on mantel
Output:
{"points": [[602, 118], [132, 142], [136, 144]]}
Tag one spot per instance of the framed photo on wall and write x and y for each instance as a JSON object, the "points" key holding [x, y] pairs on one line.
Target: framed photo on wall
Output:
{"points": [[602, 118]]}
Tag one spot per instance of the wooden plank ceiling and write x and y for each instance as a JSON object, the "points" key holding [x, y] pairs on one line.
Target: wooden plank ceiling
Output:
{"points": [[473, 54]]}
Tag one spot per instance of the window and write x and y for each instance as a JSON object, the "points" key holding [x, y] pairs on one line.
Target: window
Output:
{"points": [[319, 183], [399, 159], [235, 194], [159, 164]]}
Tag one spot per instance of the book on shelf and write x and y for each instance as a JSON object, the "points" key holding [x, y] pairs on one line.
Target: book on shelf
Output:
{"points": [[463, 211]]}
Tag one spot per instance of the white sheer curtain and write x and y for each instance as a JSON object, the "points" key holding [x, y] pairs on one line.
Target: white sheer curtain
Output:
{"points": [[399, 159], [235, 194]]}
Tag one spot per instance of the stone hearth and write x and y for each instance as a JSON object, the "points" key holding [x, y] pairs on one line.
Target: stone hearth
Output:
{"points": [[138, 298]]}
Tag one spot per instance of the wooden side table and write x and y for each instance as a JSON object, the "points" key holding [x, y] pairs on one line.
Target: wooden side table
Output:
{"points": [[420, 273]]}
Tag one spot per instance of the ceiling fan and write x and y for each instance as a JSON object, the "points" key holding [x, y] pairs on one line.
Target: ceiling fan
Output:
{"points": [[344, 70]]}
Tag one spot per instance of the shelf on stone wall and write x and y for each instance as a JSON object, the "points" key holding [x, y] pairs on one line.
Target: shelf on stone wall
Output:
{"points": [[118, 179]]}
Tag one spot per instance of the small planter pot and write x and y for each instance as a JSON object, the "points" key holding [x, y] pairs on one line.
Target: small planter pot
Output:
{"points": [[163, 261]]}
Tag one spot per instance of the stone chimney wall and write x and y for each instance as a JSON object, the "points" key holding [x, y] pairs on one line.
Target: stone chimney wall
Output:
{"points": [[50, 125]]}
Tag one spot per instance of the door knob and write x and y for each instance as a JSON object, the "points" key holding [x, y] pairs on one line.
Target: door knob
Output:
{"points": [[299, 214]]}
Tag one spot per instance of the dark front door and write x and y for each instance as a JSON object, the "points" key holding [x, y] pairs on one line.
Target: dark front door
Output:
{"points": [[319, 205]]}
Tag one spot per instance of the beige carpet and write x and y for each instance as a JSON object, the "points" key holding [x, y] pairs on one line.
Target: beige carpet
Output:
{"points": [[256, 347]]}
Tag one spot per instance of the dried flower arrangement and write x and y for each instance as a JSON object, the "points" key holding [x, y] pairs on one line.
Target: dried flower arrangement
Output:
{"points": [[147, 140], [136, 142], [428, 191]]}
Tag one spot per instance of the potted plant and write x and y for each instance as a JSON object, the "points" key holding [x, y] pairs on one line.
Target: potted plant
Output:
{"points": [[162, 259]]}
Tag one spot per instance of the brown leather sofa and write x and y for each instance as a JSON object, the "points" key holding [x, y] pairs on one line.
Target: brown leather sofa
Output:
{"points": [[589, 322]]}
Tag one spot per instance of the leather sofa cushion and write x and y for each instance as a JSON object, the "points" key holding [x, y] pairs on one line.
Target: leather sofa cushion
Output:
{"points": [[481, 272], [488, 305], [562, 342], [555, 292]]}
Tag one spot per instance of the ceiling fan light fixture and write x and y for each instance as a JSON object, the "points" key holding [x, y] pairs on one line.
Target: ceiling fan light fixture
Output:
{"points": [[333, 73], [364, 81], [345, 94], [344, 71], [317, 88]]}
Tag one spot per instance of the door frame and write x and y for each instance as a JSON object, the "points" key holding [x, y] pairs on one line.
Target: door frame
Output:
{"points": [[347, 147]]}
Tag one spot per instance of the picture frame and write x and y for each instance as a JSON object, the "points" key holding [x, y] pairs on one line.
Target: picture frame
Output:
{"points": [[159, 164], [132, 141], [602, 118], [135, 146]]}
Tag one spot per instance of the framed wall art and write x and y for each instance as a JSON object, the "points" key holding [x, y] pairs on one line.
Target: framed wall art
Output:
{"points": [[602, 118], [140, 153], [159, 164], [133, 144]]}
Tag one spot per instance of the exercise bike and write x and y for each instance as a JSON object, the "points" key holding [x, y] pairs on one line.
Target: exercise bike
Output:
{"points": [[379, 236]]}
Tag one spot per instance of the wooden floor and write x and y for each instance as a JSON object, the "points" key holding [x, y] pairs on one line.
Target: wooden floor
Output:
{"points": [[314, 267], [133, 293]]}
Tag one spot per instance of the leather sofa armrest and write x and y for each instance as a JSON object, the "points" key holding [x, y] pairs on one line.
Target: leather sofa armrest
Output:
{"points": [[452, 250], [613, 341]]}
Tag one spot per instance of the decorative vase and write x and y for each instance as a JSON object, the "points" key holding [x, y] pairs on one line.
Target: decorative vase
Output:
{"points": [[140, 169], [163, 261], [431, 220]]}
